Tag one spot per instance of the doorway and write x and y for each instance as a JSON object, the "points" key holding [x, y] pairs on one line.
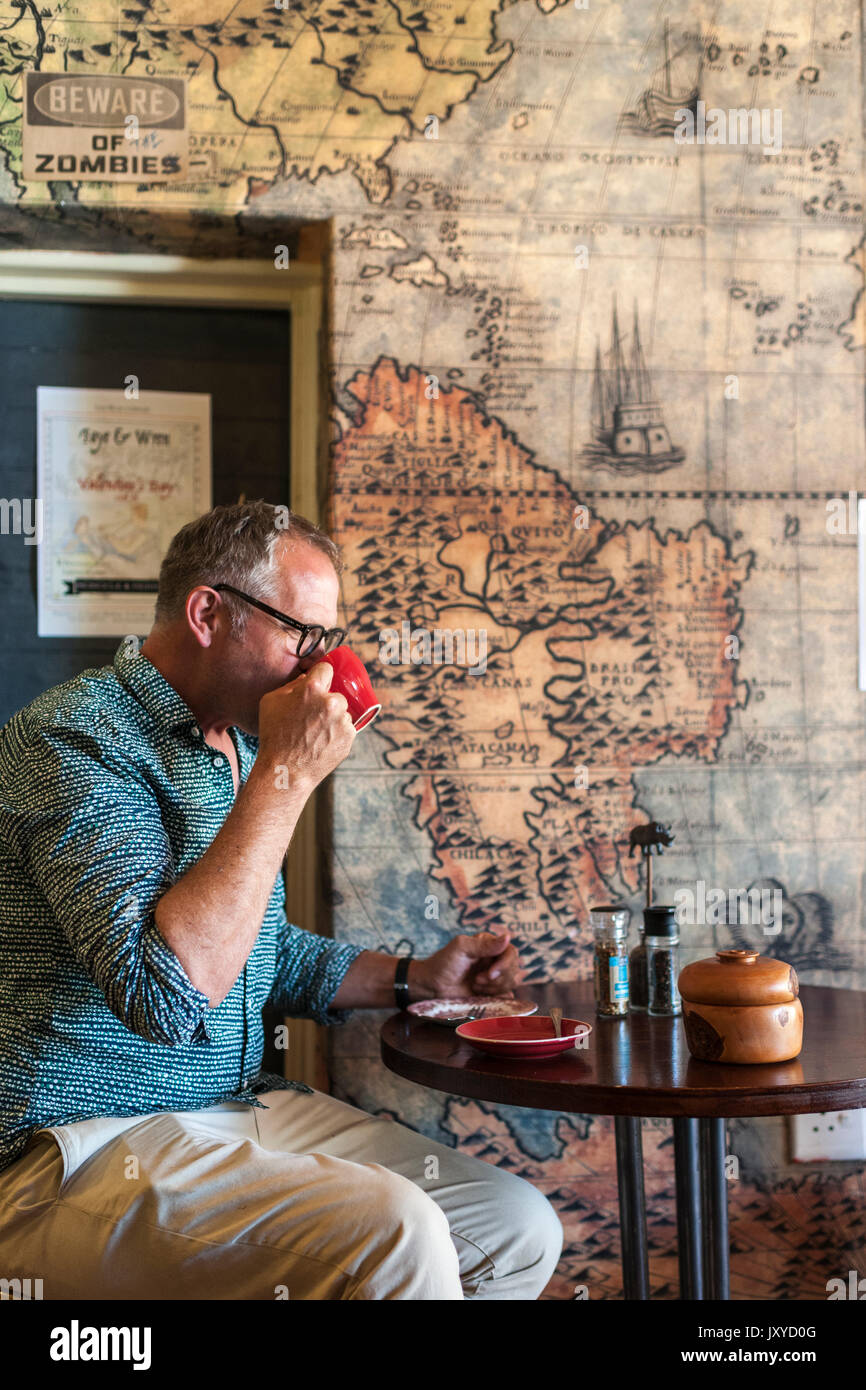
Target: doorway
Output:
{"points": [[242, 331]]}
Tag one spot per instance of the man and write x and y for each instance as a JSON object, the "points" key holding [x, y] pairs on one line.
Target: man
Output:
{"points": [[145, 811]]}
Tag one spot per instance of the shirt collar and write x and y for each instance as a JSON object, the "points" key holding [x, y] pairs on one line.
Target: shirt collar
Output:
{"points": [[160, 699]]}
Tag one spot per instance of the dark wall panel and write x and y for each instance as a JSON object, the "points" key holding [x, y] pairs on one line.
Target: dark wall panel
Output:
{"points": [[238, 356]]}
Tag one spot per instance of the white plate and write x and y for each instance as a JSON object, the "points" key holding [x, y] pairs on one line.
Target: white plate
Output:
{"points": [[454, 1011]]}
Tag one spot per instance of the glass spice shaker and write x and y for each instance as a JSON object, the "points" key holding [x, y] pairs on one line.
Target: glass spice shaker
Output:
{"points": [[637, 985], [663, 959], [610, 938]]}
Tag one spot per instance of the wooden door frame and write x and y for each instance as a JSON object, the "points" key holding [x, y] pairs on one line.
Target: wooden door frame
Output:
{"points": [[93, 276]]}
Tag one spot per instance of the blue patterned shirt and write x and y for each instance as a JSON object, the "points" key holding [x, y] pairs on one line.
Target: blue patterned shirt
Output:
{"points": [[108, 794]]}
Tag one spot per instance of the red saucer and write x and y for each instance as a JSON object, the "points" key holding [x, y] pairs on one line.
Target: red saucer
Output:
{"points": [[523, 1037]]}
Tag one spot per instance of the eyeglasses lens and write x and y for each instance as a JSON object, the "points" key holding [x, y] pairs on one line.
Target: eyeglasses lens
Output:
{"points": [[310, 641]]}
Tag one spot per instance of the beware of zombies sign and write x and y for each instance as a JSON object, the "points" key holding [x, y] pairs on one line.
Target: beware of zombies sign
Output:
{"points": [[116, 129]]}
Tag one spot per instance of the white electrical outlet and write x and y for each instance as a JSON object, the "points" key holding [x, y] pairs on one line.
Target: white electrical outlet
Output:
{"points": [[834, 1134]]}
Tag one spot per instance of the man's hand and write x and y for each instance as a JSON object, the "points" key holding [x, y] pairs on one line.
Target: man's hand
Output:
{"points": [[482, 964], [305, 726]]}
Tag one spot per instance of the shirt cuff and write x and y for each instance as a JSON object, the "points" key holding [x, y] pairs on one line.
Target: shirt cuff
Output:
{"points": [[334, 964], [172, 1007]]}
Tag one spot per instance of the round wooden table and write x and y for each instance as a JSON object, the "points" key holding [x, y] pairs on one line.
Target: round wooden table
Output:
{"points": [[642, 1066]]}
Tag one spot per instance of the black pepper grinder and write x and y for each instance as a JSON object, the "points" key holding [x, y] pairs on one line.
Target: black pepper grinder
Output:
{"points": [[649, 839], [662, 936], [637, 989]]}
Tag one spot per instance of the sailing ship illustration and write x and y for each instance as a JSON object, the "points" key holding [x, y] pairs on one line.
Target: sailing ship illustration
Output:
{"points": [[669, 91], [629, 432]]}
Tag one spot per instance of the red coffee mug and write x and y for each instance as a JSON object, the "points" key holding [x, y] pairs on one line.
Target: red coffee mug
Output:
{"points": [[350, 679]]}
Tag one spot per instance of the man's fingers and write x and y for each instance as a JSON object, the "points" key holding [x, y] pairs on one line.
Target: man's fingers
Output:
{"points": [[507, 961], [320, 675], [486, 943], [502, 969], [321, 681]]}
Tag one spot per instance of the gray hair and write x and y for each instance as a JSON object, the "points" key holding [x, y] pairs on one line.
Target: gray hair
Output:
{"points": [[234, 544]]}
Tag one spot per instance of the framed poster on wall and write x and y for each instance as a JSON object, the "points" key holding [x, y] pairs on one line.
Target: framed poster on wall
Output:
{"points": [[116, 478]]}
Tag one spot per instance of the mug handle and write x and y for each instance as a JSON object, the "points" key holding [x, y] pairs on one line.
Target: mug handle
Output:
{"points": [[367, 717]]}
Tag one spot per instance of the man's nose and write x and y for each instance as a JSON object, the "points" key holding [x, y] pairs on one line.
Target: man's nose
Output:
{"points": [[306, 662]]}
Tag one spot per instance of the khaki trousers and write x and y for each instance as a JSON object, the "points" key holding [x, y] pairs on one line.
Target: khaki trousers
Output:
{"points": [[309, 1199]]}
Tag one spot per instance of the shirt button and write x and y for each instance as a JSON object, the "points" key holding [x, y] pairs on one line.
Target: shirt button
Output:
{"points": [[196, 731], [218, 761]]}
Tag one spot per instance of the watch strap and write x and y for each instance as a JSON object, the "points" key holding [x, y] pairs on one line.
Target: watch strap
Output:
{"points": [[401, 982]]}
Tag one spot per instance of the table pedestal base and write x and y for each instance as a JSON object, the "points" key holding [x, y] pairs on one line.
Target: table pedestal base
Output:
{"points": [[702, 1208], [690, 1227], [632, 1207], [714, 1202]]}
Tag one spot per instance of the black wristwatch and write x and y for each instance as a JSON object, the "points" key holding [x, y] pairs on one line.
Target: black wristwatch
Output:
{"points": [[401, 982]]}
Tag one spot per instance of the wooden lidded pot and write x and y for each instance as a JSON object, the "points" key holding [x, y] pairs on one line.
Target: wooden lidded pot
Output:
{"points": [[739, 1006]]}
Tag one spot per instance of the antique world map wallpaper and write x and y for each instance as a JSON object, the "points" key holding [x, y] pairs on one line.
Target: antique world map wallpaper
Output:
{"points": [[597, 404]]}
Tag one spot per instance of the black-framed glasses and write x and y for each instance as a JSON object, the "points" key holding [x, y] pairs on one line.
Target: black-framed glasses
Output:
{"points": [[311, 633]]}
